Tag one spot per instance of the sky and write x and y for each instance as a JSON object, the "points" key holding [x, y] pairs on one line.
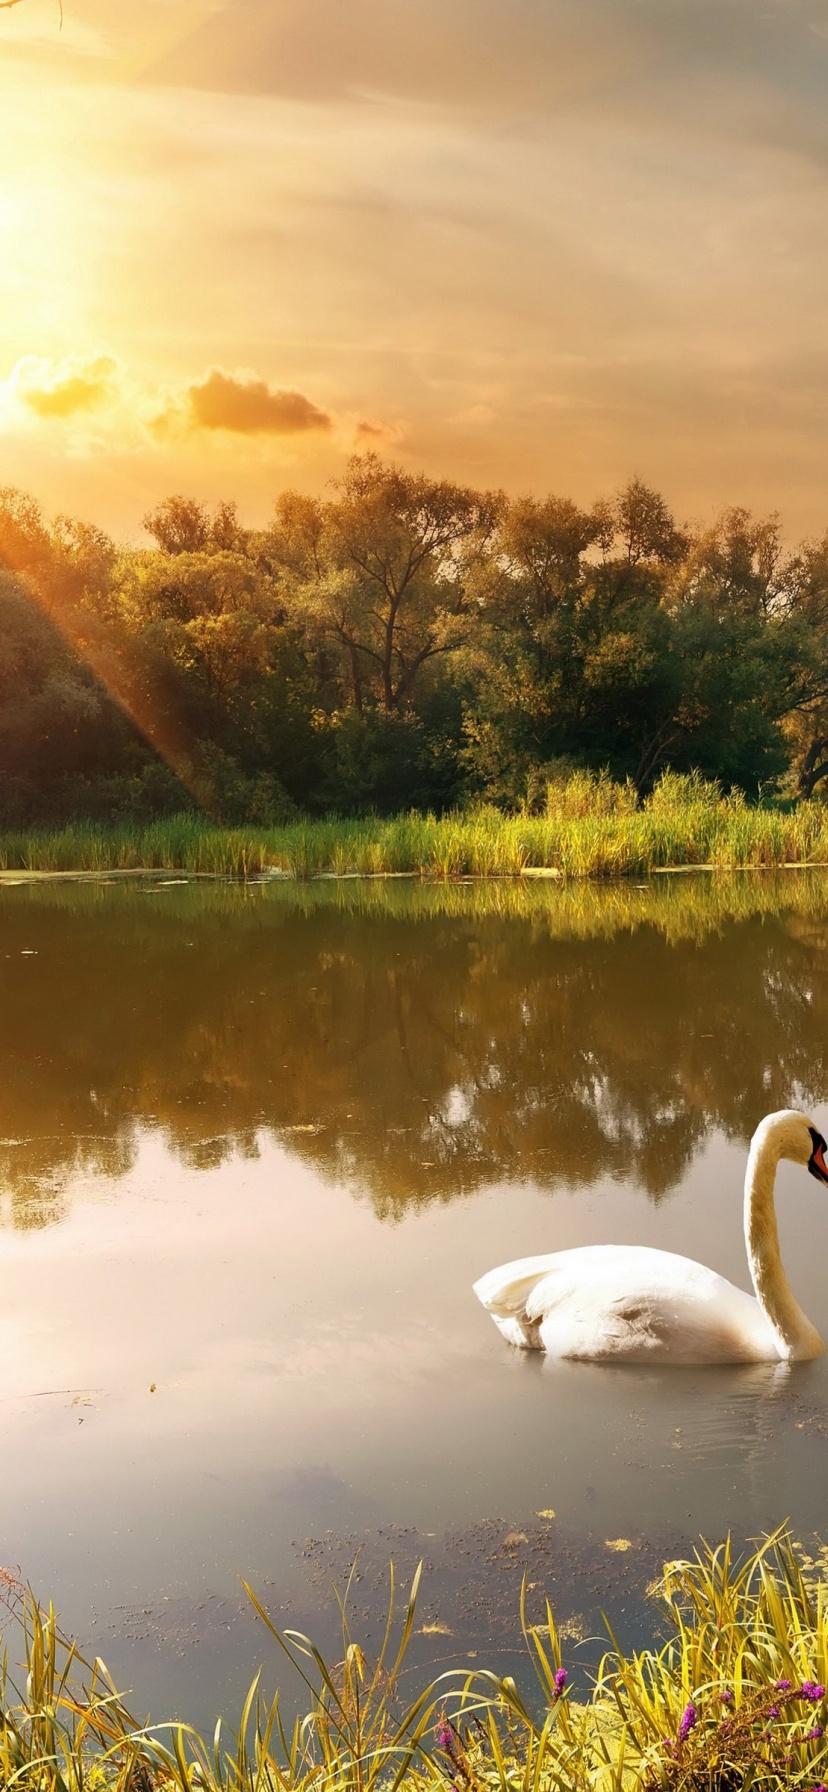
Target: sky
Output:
{"points": [[532, 244]]}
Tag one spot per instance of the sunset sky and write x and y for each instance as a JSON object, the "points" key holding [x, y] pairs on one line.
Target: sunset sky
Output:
{"points": [[531, 243]]}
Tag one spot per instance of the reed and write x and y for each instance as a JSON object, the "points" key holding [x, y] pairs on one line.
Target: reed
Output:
{"points": [[590, 828], [734, 1698]]}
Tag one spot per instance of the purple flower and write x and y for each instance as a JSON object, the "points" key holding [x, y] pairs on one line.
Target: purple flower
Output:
{"points": [[814, 1734], [811, 1691], [774, 1711], [690, 1718], [783, 1686], [443, 1735], [726, 1696], [560, 1680]]}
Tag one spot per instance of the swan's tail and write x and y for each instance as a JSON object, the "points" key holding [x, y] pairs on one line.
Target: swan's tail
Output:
{"points": [[504, 1293]]}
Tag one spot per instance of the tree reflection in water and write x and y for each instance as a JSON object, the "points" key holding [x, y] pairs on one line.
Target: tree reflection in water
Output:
{"points": [[414, 1043]]}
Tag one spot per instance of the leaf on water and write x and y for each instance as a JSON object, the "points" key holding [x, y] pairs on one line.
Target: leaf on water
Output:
{"points": [[546, 1512], [574, 1629], [619, 1544]]}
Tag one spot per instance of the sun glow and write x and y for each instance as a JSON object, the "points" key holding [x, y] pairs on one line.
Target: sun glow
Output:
{"points": [[520, 278], [43, 265]]}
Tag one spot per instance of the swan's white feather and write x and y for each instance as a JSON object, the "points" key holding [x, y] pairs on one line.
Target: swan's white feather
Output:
{"points": [[626, 1303]]}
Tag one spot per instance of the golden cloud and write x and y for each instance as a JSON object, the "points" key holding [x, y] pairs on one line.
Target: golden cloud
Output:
{"points": [[249, 406], [62, 389], [368, 431]]}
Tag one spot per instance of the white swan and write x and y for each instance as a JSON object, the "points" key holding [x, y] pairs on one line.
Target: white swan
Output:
{"points": [[626, 1303]]}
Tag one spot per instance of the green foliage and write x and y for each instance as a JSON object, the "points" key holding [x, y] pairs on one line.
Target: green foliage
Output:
{"points": [[734, 1698], [401, 643]]}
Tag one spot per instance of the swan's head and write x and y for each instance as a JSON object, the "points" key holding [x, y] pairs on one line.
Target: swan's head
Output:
{"points": [[795, 1136], [816, 1161]]}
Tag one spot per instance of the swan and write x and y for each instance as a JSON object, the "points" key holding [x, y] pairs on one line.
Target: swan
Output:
{"points": [[627, 1303]]}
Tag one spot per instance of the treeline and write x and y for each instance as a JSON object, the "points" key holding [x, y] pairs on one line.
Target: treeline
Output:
{"points": [[403, 642]]}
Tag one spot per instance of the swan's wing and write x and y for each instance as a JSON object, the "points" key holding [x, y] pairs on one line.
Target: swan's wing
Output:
{"points": [[625, 1303]]}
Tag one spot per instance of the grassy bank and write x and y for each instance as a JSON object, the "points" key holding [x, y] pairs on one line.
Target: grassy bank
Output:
{"points": [[591, 828], [735, 1697]]}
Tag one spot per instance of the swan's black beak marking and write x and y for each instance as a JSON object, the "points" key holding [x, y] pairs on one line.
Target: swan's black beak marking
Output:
{"points": [[816, 1162]]}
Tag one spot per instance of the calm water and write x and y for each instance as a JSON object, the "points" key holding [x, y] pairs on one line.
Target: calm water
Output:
{"points": [[255, 1146]]}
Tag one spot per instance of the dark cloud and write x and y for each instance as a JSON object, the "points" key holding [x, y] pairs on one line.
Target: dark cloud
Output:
{"points": [[369, 431], [504, 54], [249, 406], [497, 51]]}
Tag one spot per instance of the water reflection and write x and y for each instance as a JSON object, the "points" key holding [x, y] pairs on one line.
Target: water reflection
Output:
{"points": [[240, 1370], [415, 1044]]}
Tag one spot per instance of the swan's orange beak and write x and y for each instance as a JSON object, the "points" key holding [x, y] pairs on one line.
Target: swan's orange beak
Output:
{"points": [[816, 1161]]}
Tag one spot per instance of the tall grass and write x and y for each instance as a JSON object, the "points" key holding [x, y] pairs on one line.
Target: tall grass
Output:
{"points": [[590, 828], [734, 1698]]}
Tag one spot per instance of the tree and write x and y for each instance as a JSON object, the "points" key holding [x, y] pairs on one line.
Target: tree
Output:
{"points": [[614, 638], [24, 536], [404, 640], [379, 570], [806, 723], [60, 730], [183, 526], [209, 662], [575, 655]]}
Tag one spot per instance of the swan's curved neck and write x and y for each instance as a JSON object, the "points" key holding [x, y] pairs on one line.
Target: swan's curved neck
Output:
{"points": [[797, 1339]]}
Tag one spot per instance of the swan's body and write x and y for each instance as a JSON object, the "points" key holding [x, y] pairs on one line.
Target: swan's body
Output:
{"points": [[627, 1303]]}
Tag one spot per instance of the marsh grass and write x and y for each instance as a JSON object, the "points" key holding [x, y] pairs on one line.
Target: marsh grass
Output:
{"points": [[590, 828], [734, 1698]]}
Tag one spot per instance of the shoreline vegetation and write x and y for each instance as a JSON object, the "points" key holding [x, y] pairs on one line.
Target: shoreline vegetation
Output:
{"points": [[734, 1697], [591, 827], [681, 907]]}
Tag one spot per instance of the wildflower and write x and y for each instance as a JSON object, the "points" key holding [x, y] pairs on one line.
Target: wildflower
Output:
{"points": [[690, 1718], [783, 1686], [560, 1680], [811, 1691], [443, 1735], [814, 1734], [774, 1711], [726, 1696]]}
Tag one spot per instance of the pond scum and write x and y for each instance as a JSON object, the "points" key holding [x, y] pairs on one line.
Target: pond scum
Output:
{"points": [[734, 1698], [591, 827]]}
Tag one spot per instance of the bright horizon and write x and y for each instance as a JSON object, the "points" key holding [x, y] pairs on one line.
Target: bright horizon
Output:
{"points": [[537, 244]]}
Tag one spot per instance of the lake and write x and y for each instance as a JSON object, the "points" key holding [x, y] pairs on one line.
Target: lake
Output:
{"points": [[257, 1142]]}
